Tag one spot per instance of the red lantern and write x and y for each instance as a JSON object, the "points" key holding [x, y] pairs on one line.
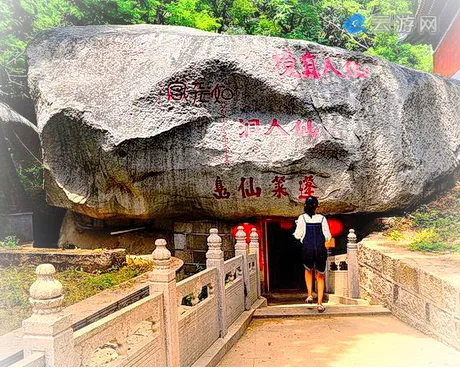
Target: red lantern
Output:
{"points": [[286, 224], [335, 226], [247, 229]]}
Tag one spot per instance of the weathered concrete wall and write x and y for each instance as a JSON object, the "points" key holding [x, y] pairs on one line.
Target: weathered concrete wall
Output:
{"points": [[89, 261], [89, 233], [421, 290], [17, 224]]}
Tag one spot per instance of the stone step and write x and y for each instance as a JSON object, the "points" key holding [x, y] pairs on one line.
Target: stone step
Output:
{"points": [[309, 311]]}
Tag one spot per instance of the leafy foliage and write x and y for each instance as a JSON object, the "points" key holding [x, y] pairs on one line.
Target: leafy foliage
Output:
{"points": [[433, 247], [9, 242], [395, 235], [436, 225], [31, 178], [313, 20], [387, 46]]}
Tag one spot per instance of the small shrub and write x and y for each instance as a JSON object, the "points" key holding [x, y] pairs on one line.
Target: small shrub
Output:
{"points": [[139, 263], [429, 240], [9, 242], [426, 236], [394, 235]]}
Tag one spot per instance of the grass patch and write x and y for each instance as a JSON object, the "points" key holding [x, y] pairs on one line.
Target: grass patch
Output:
{"points": [[435, 226], [433, 247], [9, 242], [77, 285]]}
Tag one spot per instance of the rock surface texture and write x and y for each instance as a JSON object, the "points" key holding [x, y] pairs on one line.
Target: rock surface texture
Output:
{"points": [[19, 147], [147, 121]]}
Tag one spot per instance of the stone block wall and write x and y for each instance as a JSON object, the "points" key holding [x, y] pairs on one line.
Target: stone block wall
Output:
{"points": [[17, 224], [414, 292], [190, 240]]}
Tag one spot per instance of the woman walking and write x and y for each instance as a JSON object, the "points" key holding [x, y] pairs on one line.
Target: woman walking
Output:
{"points": [[313, 231]]}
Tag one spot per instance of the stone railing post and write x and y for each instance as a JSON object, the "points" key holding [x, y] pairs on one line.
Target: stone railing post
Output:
{"points": [[163, 279], [241, 249], [254, 249], [352, 261], [49, 329], [215, 258]]}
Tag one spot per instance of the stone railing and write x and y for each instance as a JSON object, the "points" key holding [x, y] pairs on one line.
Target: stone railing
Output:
{"points": [[173, 326], [342, 274]]}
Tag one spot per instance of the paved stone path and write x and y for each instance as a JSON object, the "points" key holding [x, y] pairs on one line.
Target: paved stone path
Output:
{"points": [[337, 341]]}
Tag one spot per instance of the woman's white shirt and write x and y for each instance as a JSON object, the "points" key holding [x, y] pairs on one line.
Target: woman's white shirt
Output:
{"points": [[299, 232]]}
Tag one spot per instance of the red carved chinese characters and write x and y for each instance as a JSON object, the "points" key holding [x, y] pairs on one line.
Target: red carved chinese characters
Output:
{"points": [[201, 94], [307, 187], [251, 126], [305, 129], [274, 125], [248, 188], [177, 91], [302, 128], [220, 92], [251, 191], [222, 192], [308, 61], [328, 67], [353, 70], [180, 91], [280, 189], [286, 64]]}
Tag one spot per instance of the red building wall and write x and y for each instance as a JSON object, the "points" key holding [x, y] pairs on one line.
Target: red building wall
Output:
{"points": [[447, 56]]}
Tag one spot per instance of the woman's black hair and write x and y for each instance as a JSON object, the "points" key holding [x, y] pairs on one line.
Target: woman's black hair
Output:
{"points": [[310, 205]]}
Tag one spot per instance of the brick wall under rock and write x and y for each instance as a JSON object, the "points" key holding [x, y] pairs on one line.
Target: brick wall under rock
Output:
{"points": [[190, 240], [421, 299]]}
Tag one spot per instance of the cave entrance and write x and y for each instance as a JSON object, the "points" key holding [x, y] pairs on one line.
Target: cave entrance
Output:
{"points": [[285, 270], [281, 263]]}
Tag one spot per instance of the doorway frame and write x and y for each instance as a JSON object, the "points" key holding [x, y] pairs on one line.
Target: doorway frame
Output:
{"points": [[261, 224]]}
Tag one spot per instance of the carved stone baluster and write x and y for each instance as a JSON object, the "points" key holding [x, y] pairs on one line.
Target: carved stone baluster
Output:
{"points": [[163, 279], [215, 258], [49, 328], [241, 249]]}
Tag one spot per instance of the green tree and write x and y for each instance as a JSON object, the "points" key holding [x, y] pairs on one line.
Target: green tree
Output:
{"points": [[314, 20], [387, 46], [191, 13], [20, 21]]}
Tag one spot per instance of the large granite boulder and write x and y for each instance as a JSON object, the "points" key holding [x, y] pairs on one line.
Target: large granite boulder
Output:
{"points": [[148, 121]]}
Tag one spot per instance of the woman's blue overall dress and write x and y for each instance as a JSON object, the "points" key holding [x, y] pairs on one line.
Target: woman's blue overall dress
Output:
{"points": [[314, 252]]}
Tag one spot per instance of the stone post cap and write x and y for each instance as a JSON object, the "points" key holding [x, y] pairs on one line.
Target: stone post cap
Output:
{"points": [[254, 235], [214, 240], [351, 238], [46, 292], [240, 234], [352, 235], [161, 253]]}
